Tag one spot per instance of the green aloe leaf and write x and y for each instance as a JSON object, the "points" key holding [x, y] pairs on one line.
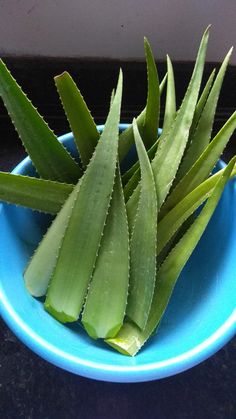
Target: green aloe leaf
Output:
{"points": [[112, 97], [197, 113], [163, 84], [143, 242], [201, 103], [81, 122], [126, 139], [135, 178], [202, 134], [39, 194], [48, 155], [202, 167], [172, 145], [152, 113], [135, 168], [170, 106], [80, 244], [107, 296], [130, 338], [132, 184], [40, 268], [169, 115], [132, 176], [175, 218], [132, 205]]}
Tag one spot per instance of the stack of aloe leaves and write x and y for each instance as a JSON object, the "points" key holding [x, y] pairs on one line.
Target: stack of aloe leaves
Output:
{"points": [[119, 241]]}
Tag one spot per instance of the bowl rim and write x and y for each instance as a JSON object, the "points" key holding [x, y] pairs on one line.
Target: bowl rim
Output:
{"points": [[113, 373], [104, 372]]}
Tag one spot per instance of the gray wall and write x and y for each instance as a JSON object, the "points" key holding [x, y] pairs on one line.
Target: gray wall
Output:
{"points": [[115, 28]]}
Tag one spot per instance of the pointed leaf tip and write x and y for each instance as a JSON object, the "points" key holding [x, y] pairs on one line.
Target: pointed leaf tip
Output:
{"points": [[146, 43], [207, 30], [231, 50], [78, 115], [121, 74]]}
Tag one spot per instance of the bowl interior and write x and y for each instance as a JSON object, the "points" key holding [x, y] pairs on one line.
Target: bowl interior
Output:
{"points": [[199, 320]]}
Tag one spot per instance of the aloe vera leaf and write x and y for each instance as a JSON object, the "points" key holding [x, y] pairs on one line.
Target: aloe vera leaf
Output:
{"points": [[112, 97], [132, 184], [47, 197], [202, 133], [202, 167], [152, 113], [80, 244], [48, 155], [135, 178], [132, 176], [130, 338], [201, 103], [39, 194], [143, 242], [79, 117], [126, 139], [170, 106], [163, 84], [136, 168], [107, 295], [132, 205], [174, 219], [40, 268], [171, 146], [197, 113]]}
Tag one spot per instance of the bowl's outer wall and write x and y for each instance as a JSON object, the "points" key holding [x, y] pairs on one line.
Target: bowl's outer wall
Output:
{"points": [[200, 318]]}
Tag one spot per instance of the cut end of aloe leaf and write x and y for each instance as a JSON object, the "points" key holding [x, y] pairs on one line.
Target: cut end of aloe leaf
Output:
{"points": [[120, 346], [90, 330], [58, 315], [140, 320], [32, 288], [35, 279], [58, 76], [128, 341], [100, 331]]}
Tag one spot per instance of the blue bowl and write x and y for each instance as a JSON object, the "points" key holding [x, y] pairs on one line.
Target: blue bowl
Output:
{"points": [[199, 320]]}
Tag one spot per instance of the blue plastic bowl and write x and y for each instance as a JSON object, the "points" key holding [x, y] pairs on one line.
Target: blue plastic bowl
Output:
{"points": [[200, 318]]}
